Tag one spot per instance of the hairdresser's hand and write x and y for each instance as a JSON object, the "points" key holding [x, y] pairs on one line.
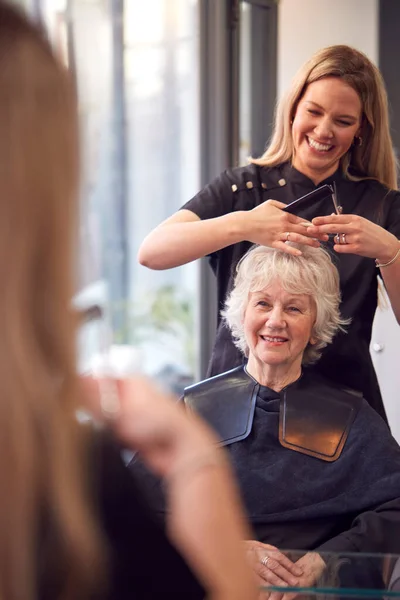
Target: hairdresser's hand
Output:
{"points": [[361, 236], [269, 225]]}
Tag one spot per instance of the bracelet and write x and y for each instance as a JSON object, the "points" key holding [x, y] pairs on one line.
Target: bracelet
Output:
{"points": [[395, 257]]}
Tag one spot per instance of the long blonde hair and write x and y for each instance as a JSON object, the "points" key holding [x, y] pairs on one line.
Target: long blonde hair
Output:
{"points": [[375, 158], [44, 502]]}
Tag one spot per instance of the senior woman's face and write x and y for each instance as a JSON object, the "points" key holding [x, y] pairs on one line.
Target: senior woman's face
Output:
{"points": [[278, 326], [327, 119]]}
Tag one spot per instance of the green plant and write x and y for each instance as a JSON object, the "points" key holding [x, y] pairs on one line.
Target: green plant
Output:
{"points": [[166, 312]]}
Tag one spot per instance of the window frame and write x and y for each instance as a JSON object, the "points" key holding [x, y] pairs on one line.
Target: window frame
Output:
{"points": [[219, 118]]}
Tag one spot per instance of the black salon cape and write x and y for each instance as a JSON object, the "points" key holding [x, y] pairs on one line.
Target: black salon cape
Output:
{"points": [[347, 360], [143, 564], [296, 501]]}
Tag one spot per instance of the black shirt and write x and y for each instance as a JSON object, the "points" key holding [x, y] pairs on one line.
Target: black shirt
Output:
{"points": [[347, 360]]}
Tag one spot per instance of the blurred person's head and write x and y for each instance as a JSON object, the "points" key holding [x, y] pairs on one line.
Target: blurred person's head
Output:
{"points": [[284, 309], [39, 440], [335, 113]]}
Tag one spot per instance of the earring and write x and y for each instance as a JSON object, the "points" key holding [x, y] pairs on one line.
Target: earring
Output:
{"points": [[358, 141]]}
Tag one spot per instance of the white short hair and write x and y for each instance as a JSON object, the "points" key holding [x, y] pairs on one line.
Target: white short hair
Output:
{"points": [[312, 273]]}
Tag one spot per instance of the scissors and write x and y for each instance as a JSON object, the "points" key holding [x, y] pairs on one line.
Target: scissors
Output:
{"points": [[338, 208], [339, 238]]}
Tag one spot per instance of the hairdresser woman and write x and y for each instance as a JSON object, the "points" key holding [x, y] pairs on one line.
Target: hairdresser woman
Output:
{"points": [[332, 127]]}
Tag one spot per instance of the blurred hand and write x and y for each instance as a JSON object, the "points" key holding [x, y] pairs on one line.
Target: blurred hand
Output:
{"points": [[151, 422], [205, 517]]}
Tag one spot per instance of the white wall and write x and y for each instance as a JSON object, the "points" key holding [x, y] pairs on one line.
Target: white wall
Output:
{"points": [[385, 351], [305, 26]]}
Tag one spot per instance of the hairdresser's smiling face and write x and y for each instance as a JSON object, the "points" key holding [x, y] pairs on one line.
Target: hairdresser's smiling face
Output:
{"points": [[327, 119]]}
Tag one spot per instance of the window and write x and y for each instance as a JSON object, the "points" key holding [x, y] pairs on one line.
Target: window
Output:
{"points": [[136, 66], [141, 67], [257, 75]]}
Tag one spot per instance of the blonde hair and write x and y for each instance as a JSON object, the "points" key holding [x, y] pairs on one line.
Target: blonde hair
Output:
{"points": [[375, 158], [45, 509], [312, 273]]}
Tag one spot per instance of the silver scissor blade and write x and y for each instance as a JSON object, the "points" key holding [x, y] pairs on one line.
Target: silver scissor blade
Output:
{"points": [[337, 206]]}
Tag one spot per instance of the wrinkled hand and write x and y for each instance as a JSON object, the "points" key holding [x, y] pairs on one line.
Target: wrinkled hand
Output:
{"points": [[363, 237], [312, 566], [279, 570], [204, 518], [268, 225]]}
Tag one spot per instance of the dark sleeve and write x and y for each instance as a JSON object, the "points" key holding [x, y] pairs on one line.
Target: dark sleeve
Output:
{"points": [[376, 460], [214, 200], [393, 218], [144, 564], [375, 531]]}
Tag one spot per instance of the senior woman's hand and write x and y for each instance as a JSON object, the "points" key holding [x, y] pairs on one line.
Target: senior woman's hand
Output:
{"points": [[268, 225], [361, 236], [271, 566], [312, 566]]}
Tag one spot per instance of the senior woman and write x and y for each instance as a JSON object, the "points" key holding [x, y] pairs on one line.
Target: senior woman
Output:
{"points": [[317, 466]]}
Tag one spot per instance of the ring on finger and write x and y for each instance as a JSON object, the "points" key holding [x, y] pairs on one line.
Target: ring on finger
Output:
{"points": [[287, 236], [264, 561], [340, 238]]}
